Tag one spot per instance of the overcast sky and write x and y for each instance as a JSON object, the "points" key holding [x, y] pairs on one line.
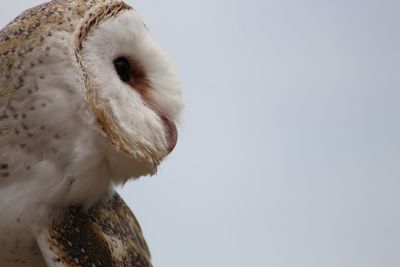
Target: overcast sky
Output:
{"points": [[289, 153]]}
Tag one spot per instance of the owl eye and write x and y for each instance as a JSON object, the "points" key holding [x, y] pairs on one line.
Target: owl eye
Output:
{"points": [[123, 69]]}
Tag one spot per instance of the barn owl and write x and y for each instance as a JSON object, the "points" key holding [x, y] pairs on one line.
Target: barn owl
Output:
{"points": [[88, 100]]}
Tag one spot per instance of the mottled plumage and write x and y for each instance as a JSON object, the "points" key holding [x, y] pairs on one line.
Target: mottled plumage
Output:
{"points": [[71, 127], [107, 235]]}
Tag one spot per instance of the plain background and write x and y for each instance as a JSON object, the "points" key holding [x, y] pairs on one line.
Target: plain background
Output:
{"points": [[289, 149]]}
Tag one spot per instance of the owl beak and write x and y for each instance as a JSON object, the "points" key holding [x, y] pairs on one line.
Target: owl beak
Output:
{"points": [[171, 132]]}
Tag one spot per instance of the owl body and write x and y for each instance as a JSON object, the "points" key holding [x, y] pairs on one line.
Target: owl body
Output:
{"points": [[73, 122]]}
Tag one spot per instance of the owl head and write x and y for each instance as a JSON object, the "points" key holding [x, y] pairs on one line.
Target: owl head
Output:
{"points": [[131, 88], [86, 95]]}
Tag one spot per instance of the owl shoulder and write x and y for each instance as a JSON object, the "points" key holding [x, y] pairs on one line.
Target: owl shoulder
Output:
{"points": [[106, 235]]}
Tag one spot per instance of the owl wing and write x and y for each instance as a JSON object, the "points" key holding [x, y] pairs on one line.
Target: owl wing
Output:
{"points": [[106, 235]]}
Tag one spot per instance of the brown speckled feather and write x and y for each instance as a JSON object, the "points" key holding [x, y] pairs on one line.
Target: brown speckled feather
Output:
{"points": [[106, 235]]}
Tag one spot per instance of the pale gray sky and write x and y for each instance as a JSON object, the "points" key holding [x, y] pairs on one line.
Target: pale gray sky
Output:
{"points": [[290, 148]]}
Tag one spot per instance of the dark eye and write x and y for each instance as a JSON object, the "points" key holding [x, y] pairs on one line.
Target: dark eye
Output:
{"points": [[123, 68]]}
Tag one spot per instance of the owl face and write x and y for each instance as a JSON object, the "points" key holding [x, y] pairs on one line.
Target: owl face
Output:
{"points": [[87, 98], [133, 92]]}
